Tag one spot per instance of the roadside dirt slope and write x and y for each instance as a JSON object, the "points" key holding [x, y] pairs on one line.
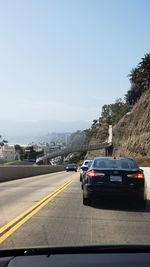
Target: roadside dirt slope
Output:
{"points": [[131, 136]]}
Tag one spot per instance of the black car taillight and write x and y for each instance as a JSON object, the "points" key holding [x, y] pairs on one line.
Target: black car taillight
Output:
{"points": [[95, 174], [136, 175]]}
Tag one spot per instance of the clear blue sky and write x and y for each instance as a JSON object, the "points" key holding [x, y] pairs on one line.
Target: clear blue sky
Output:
{"points": [[65, 59]]}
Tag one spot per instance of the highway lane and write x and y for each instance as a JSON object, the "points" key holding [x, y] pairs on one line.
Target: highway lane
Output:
{"points": [[65, 221], [18, 195]]}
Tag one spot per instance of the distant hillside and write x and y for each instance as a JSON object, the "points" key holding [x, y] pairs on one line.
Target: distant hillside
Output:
{"points": [[25, 131]]}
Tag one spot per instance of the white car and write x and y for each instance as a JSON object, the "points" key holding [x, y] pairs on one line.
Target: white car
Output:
{"points": [[83, 168]]}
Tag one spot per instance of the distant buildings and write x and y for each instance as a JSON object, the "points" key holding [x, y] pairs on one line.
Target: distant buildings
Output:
{"points": [[30, 152], [8, 153]]}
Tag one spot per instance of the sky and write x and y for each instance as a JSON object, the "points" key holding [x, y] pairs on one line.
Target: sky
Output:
{"points": [[65, 59]]}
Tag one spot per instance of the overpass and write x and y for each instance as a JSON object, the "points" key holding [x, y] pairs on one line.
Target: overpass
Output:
{"points": [[108, 146], [72, 149]]}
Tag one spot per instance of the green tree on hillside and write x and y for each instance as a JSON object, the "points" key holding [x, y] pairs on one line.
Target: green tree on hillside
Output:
{"points": [[140, 80], [112, 113]]}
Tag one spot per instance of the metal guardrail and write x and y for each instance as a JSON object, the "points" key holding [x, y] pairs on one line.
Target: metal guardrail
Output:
{"points": [[72, 149]]}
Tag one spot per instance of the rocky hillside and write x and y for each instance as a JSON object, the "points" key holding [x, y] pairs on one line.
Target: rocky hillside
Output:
{"points": [[131, 135], [131, 127], [98, 134]]}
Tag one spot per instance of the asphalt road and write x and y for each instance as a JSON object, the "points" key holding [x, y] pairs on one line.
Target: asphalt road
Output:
{"points": [[63, 220]]}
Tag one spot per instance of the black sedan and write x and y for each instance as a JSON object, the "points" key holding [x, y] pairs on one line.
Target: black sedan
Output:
{"points": [[71, 167], [114, 177]]}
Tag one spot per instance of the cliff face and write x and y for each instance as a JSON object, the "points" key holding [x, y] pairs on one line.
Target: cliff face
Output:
{"points": [[98, 135], [131, 136]]}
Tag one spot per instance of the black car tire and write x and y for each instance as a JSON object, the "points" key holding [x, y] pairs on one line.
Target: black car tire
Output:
{"points": [[80, 178], [82, 186], [142, 203], [86, 201]]}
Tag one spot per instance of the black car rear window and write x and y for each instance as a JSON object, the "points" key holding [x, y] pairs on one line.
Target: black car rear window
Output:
{"points": [[71, 165], [114, 163]]}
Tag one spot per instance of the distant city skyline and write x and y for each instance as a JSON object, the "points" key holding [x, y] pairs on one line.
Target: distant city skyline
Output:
{"points": [[63, 60], [26, 132]]}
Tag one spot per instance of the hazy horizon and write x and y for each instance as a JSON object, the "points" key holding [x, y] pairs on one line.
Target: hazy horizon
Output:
{"points": [[18, 132]]}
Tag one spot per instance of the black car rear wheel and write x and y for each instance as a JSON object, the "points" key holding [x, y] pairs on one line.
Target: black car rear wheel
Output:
{"points": [[142, 203], [86, 201]]}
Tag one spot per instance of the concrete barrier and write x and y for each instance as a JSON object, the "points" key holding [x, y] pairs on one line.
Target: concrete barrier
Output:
{"points": [[147, 175], [8, 173]]}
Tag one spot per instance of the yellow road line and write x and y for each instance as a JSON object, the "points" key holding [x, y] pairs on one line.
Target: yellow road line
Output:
{"points": [[27, 214]]}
